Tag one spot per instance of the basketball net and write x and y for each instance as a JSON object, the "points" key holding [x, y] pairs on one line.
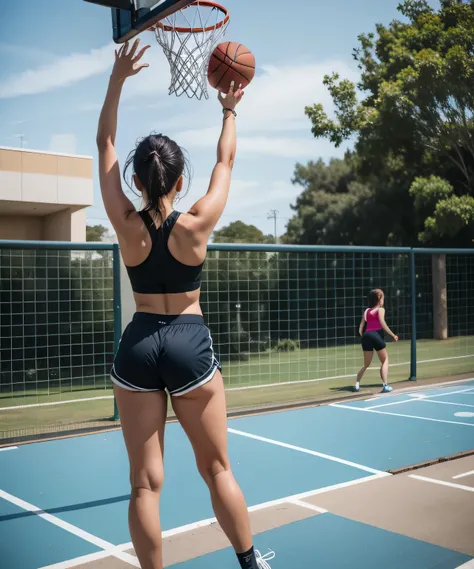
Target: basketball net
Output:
{"points": [[188, 38]]}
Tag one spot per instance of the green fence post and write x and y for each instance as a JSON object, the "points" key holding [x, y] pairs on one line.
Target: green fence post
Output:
{"points": [[117, 311], [413, 316]]}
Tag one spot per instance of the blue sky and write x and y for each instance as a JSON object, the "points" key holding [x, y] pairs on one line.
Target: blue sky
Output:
{"points": [[56, 58]]}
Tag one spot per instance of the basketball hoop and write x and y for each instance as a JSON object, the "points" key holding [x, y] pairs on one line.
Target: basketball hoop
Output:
{"points": [[188, 38]]}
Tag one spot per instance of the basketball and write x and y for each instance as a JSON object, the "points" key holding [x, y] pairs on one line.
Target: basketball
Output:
{"points": [[231, 61]]}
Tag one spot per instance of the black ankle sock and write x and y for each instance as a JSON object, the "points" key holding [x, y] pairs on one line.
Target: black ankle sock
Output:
{"points": [[247, 560]]}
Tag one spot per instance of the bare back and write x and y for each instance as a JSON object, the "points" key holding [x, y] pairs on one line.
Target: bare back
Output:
{"points": [[185, 245]]}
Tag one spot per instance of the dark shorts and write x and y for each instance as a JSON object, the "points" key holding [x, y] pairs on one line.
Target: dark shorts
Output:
{"points": [[373, 341], [158, 353]]}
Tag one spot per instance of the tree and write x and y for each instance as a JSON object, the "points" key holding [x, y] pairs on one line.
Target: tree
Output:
{"points": [[95, 233], [443, 213], [337, 209], [240, 232], [416, 117]]}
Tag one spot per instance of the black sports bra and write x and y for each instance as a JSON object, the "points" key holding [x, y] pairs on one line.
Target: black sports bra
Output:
{"points": [[160, 272]]}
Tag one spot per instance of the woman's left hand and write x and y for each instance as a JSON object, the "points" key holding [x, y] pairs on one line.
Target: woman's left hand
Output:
{"points": [[127, 62]]}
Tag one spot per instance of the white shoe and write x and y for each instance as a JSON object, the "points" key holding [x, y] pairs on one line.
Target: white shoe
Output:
{"points": [[262, 561]]}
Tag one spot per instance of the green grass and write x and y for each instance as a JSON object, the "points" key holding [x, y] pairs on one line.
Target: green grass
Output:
{"points": [[56, 394], [454, 357], [312, 374]]}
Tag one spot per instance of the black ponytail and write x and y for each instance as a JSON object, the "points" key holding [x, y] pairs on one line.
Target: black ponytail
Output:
{"points": [[158, 162]]}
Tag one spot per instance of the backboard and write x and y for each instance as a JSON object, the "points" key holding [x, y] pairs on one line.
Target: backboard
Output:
{"points": [[131, 17]]}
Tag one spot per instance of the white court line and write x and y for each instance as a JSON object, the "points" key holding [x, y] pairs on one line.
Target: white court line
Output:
{"points": [[8, 448], [307, 505], [468, 565], [51, 403], [443, 359], [266, 505], [307, 451], [442, 483], [79, 560], [447, 403], [264, 385], [400, 415], [463, 475], [86, 536], [416, 388], [421, 398], [431, 386]]}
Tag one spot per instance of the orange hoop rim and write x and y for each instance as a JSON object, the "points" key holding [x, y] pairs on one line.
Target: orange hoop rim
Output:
{"points": [[197, 30]]}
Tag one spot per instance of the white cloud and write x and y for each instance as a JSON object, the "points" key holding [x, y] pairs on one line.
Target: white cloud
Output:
{"points": [[75, 67], [151, 81], [63, 143], [252, 205], [297, 148], [91, 107], [249, 201], [199, 187], [259, 196], [274, 101], [284, 147], [31, 54], [271, 122], [61, 72], [236, 185]]}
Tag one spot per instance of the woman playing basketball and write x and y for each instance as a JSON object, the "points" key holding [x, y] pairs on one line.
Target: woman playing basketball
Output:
{"points": [[373, 320], [167, 347]]}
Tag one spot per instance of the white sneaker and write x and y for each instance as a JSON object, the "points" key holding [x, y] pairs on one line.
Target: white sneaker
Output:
{"points": [[262, 560]]}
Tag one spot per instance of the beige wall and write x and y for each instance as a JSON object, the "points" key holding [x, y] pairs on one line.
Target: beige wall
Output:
{"points": [[49, 191], [65, 226], [42, 177], [78, 226], [61, 226], [19, 227]]}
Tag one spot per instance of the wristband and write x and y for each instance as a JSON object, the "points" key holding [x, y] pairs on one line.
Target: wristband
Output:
{"points": [[230, 110]]}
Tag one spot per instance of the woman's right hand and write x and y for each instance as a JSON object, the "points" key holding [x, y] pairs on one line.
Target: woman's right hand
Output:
{"points": [[395, 338], [232, 98]]}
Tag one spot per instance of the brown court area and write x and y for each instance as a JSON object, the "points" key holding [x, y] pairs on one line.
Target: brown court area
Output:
{"points": [[434, 504]]}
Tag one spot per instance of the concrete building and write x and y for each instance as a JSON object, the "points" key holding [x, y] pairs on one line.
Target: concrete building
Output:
{"points": [[44, 196]]}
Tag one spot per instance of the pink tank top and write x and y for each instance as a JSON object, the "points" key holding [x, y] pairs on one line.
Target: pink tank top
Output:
{"points": [[373, 321]]}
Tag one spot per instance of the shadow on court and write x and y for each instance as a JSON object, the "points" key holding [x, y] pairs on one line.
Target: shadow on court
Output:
{"points": [[351, 388], [69, 508]]}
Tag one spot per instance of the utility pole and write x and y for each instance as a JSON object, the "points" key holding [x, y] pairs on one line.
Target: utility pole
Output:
{"points": [[21, 137], [274, 215]]}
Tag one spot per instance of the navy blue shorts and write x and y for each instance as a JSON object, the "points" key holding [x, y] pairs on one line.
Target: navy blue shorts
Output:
{"points": [[373, 341], [165, 353]]}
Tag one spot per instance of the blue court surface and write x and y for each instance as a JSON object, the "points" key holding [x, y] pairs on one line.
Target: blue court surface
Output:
{"points": [[67, 499]]}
